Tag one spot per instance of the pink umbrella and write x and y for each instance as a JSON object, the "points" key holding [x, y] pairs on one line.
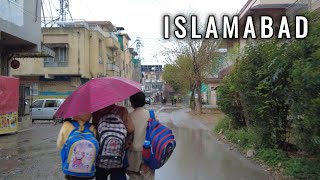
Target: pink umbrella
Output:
{"points": [[97, 94]]}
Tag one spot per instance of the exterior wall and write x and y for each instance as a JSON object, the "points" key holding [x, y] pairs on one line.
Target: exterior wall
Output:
{"points": [[126, 64], [77, 52], [87, 54], [97, 55], [57, 89], [213, 93], [46, 88], [22, 19]]}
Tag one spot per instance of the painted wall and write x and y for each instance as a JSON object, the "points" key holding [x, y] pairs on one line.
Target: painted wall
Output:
{"points": [[22, 19], [87, 57]]}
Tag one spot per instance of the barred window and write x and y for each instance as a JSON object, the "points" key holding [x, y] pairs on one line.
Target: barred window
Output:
{"points": [[60, 60]]}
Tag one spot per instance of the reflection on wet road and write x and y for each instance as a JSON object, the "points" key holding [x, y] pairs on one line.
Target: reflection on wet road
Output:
{"points": [[198, 155]]}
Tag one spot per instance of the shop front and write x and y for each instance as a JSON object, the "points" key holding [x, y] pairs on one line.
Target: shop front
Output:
{"points": [[9, 101]]}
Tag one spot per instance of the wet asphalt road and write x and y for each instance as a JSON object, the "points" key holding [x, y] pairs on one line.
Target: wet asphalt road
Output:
{"points": [[198, 156]]}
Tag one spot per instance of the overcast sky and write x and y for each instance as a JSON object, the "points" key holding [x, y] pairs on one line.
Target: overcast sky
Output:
{"points": [[143, 18]]}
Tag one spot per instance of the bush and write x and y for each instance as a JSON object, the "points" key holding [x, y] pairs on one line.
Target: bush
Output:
{"points": [[222, 124], [272, 157], [274, 86], [303, 168], [245, 138], [305, 88]]}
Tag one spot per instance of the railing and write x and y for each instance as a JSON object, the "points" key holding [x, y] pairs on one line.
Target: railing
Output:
{"points": [[88, 26], [104, 33]]}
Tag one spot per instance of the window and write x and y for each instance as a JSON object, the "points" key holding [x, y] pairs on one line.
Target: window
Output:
{"points": [[59, 103], [60, 59], [37, 104], [146, 76], [51, 103]]}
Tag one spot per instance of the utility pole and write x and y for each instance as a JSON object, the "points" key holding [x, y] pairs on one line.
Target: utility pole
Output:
{"points": [[52, 14], [138, 68], [64, 10]]}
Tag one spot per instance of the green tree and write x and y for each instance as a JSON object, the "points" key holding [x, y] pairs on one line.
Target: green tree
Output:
{"points": [[179, 75], [305, 87]]}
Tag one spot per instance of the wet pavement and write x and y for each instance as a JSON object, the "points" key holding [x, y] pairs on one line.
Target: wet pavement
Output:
{"points": [[198, 156]]}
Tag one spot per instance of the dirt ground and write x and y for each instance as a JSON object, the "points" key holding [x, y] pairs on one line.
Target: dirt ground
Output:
{"points": [[211, 118]]}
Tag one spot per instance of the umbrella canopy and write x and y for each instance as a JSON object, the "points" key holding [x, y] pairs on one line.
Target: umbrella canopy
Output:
{"points": [[97, 94]]}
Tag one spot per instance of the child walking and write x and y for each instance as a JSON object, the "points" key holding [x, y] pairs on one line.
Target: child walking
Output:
{"points": [[79, 148]]}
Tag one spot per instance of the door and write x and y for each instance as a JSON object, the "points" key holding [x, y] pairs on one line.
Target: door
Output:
{"points": [[50, 108], [37, 109]]}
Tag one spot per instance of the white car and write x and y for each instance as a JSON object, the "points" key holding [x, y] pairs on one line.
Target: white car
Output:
{"points": [[44, 109]]}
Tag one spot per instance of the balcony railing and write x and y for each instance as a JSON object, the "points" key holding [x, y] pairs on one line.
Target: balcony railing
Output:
{"points": [[104, 33]]}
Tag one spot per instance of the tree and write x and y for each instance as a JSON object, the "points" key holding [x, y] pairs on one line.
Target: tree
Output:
{"points": [[178, 75], [274, 87], [201, 53]]}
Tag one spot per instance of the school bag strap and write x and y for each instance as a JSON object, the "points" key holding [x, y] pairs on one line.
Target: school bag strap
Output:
{"points": [[76, 125], [152, 117]]}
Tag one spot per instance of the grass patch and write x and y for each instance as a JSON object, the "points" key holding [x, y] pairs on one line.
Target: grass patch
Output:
{"points": [[248, 138], [302, 168], [272, 157]]}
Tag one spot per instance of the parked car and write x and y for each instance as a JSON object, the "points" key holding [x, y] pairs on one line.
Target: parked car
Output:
{"points": [[44, 109]]}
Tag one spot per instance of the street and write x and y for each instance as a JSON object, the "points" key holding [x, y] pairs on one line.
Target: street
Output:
{"points": [[198, 156]]}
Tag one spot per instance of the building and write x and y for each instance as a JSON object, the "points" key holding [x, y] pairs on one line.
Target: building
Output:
{"points": [[20, 33], [20, 30], [127, 55], [136, 70], [275, 9], [152, 82], [83, 50]]}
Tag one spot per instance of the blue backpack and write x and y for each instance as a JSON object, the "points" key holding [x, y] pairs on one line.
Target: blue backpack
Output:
{"points": [[159, 143], [79, 153]]}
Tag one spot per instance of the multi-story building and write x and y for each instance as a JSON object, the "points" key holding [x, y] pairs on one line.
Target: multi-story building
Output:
{"points": [[152, 82], [136, 70], [20, 33], [83, 50], [20, 30], [126, 55]]}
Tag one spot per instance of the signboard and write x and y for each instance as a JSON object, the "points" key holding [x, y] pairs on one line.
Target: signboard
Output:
{"points": [[9, 95]]}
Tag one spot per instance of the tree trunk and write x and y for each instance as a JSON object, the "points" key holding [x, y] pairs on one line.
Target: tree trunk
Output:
{"points": [[245, 111], [192, 99], [199, 99]]}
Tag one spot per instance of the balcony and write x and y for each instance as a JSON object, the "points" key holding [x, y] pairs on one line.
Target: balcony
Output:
{"points": [[112, 43]]}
